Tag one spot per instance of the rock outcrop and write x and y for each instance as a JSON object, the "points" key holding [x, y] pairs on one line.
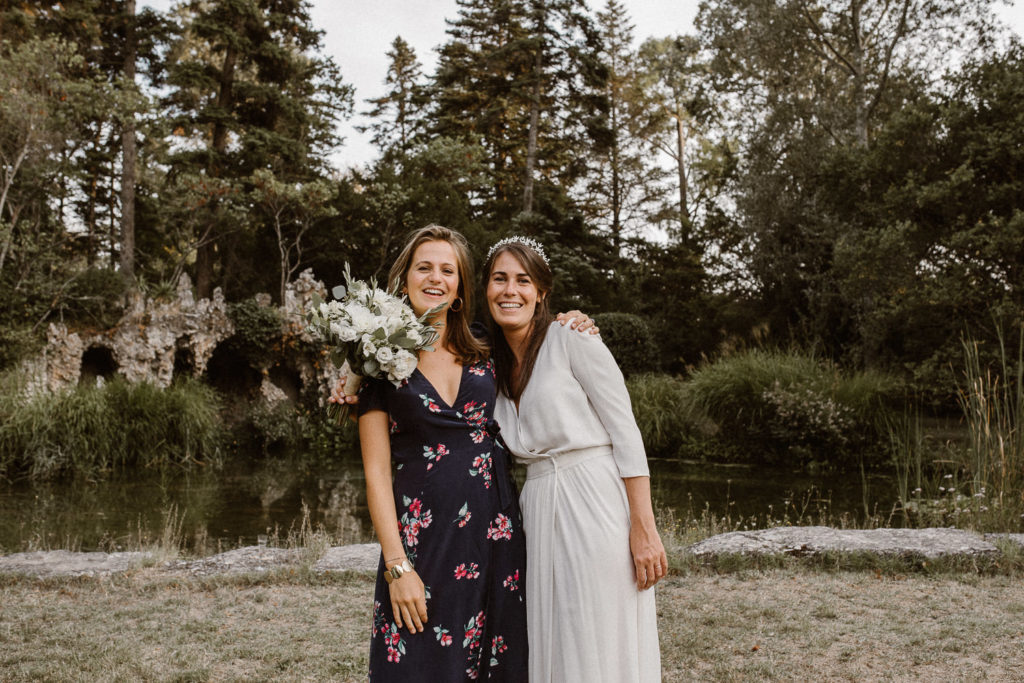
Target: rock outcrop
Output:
{"points": [[363, 557], [815, 540]]}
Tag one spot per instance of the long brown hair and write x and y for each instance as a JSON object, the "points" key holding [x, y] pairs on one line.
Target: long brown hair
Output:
{"points": [[458, 337], [512, 378]]}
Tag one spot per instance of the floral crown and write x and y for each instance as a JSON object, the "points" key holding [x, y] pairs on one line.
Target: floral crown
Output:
{"points": [[519, 239]]}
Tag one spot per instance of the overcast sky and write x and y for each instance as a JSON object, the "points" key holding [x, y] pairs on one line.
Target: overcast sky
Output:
{"points": [[358, 35]]}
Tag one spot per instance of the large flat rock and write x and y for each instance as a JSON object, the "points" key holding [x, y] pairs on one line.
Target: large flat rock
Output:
{"points": [[361, 557], [802, 540], [250, 559], [66, 563]]}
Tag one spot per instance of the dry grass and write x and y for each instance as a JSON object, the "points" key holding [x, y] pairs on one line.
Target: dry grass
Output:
{"points": [[783, 624]]}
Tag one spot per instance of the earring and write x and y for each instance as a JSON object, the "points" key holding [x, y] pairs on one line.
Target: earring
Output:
{"points": [[452, 308]]}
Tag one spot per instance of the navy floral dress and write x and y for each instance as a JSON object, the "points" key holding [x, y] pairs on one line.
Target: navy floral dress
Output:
{"points": [[461, 527]]}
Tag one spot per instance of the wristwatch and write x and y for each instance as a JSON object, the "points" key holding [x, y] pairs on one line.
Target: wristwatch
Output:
{"points": [[397, 570]]}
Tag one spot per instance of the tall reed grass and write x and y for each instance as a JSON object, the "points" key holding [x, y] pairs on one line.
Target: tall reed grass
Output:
{"points": [[977, 484], [666, 414], [94, 431]]}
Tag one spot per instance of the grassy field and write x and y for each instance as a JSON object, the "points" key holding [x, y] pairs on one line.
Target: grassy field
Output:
{"points": [[788, 623]]}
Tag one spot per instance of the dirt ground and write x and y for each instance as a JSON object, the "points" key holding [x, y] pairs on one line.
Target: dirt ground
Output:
{"points": [[784, 624]]}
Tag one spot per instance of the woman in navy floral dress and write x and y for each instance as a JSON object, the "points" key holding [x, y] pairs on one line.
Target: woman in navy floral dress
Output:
{"points": [[448, 604]]}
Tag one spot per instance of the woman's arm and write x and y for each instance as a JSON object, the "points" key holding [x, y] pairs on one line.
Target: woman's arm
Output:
{"points": [[408, 597], [649, 558], [597, 372]]}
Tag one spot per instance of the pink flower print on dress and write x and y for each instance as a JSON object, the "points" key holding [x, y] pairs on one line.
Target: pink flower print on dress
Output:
{"points": [[480, 369], [413, 520], [395, 643], [497, 647], [482, 466], [443, 636], [500, 528], [434, 454], [393, 427], [475, 416], [512, 581], [430, 404], [470, 572], [464, 515]]}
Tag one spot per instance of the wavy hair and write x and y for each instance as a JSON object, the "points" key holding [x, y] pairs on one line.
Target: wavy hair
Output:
{"points": [[458, 337], [513, 377]]}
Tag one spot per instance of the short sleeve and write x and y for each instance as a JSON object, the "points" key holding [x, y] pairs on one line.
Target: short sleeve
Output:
{"points": [[373, 395]]}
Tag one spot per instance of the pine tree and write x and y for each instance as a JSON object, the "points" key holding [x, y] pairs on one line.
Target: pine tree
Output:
{"points": [[249, 91], [523, 77], [625, 184], [398, 113]]}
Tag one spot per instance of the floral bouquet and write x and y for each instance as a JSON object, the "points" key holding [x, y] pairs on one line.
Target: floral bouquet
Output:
{"points": [[373, 330]]}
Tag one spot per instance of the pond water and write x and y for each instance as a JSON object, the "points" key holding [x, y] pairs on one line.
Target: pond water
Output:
{"points": [[223, 509]]}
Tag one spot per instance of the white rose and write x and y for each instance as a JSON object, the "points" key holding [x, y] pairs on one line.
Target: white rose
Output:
{"points": [[403, 364], [385, 355], [362, 319], [369, 350], [347, 334]]}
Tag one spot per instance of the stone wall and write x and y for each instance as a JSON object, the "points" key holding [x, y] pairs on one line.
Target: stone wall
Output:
{"points": [[147, 339]]}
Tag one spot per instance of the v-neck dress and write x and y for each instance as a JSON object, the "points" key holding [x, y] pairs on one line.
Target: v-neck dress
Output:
{"points": [[461, 527], [575, 432]]}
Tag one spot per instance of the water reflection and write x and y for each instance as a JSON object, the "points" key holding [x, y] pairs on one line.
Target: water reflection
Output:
{"points": [[212, 511]]}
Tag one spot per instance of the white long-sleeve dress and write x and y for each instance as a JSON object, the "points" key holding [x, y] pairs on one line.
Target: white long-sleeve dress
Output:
{"points": [[575, 432]]}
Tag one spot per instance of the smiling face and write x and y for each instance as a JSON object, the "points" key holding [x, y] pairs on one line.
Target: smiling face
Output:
{"points": [[433, 276], [512, 295]]}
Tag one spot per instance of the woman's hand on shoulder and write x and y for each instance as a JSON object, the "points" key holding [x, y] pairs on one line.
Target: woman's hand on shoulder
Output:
{"points": [[578, 321], [409, 601], [649, 558]]}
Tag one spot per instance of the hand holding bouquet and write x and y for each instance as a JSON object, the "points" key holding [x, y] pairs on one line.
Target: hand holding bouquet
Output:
{"points": [[373, 330]]}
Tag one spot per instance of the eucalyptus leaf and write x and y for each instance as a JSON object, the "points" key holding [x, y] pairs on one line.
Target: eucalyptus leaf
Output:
{"points": [[339, 292]]}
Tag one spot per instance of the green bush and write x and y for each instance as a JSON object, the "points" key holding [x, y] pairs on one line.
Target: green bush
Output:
{"points": [[93, 431], [17, 344], [794, 409], [630, 340], [94, 298], [666, 414], [257, 330]]}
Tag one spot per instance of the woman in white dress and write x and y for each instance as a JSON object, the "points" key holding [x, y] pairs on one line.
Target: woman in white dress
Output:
{"points": [[593, 552]]}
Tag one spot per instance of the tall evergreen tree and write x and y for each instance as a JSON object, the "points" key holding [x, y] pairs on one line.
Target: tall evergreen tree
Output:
{"points": [[397, 115], [249, 91], [625, 182], [524, 78]]}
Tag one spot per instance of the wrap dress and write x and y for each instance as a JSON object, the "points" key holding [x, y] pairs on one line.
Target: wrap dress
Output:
{"points": [[575, 432], [461, 528]]}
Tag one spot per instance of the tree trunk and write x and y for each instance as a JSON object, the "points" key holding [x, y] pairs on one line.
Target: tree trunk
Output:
{"points": [[684, 209], [205, 253], [531, 144], [128, 157]]}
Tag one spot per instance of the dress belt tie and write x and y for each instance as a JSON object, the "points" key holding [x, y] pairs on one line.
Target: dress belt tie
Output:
{"points": [[501, 465]]}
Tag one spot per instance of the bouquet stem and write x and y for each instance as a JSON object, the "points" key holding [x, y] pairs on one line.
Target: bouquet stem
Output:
{"points": [[339, 412]]}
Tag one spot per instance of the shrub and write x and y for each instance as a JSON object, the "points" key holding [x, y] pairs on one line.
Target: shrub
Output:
{"points": [[93, 431], [17, 344], [630, 340], [665, 413], [257, 329], [94, 298], [793, 408]]}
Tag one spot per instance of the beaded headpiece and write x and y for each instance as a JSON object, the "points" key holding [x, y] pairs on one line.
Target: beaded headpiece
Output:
{"points": [[519, 239]]}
